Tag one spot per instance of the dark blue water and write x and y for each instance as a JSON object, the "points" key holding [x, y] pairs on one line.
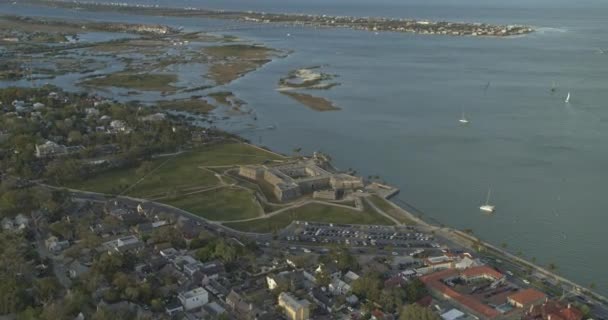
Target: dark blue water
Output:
{"points": [[401, 98]]}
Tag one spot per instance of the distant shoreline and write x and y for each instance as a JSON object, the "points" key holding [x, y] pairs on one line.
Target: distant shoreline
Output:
{"points": [[372, 24]]}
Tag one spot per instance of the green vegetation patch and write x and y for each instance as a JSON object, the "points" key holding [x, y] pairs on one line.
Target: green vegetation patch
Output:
{"points": [[390, 210], [176, 173], [242, 51], [311, 212], [222, 204], [314, 103], [222, 97], [139, 81], [113, 181], [226, 72]]}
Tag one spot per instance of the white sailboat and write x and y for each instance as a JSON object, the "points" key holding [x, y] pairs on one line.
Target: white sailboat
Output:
{"points": [[567, 98], [488, 207], [463, 119]]}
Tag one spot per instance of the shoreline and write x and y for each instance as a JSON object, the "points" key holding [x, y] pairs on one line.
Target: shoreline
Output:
{"points": [[372, 24], [470, 242]]}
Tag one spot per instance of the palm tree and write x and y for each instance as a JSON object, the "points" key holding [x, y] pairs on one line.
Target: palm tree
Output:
{"points": [[552, 267], [503, 245]]}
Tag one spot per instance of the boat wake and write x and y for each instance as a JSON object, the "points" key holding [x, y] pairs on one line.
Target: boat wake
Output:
{"points": [[544, 30]]}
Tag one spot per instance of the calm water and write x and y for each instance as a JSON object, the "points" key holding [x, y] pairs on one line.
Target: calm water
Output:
{"points": [[402, 96]]}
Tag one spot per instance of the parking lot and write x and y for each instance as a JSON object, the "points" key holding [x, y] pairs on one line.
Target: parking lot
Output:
{"points": [[360, 235]]}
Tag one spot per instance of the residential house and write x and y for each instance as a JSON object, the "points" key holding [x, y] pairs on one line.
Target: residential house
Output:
{"points": [[173, 307], [339, 287], [50, 149], [119, 126], [77, 269], [526, 298], [211, 270], [214, 309], [55, 245], [128, 243], [169, 253], [241, 308], [322, 298], [194, 298], [294, 309]]}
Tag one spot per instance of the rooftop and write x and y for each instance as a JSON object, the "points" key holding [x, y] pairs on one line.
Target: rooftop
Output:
{"points": [[482, 271], [435, 281], [292, 302], [527, 296], [193, 293]]}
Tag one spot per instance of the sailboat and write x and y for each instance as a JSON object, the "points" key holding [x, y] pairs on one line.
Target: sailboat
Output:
{"points": [[567, 98], [463, 119], [487, 207]]}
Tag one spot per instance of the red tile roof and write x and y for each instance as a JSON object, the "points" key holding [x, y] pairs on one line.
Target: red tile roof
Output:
{"points": [[433, 280], [527, 296], [571, 313], [482, 270], [556, 310]]}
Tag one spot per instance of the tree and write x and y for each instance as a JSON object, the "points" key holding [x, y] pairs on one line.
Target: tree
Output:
{"points": [[416, 312], [75, 137], [46, 289], [415, 290], [323, 278], [368, 286]]}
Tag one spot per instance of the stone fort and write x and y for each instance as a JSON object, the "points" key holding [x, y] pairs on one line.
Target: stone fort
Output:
{"points": [[292, 180]]}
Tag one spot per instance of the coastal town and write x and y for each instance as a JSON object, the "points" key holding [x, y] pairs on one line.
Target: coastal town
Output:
{"points": [[117, 208], [321, 21], [116, 246]]}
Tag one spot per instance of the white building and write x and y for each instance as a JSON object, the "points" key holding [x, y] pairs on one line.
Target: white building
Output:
{"points": [[339, 287], [193, 299]]}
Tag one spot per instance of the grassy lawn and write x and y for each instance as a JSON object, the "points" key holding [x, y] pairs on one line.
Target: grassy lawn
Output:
{"points": [[390, 210], [111, 182], [220, 204], [179, 172], [311, 212]]}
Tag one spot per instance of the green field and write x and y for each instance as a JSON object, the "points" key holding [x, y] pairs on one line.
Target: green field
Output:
{"points": [[223, 204], [311, 212], [177, 172], [390, 210]]}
